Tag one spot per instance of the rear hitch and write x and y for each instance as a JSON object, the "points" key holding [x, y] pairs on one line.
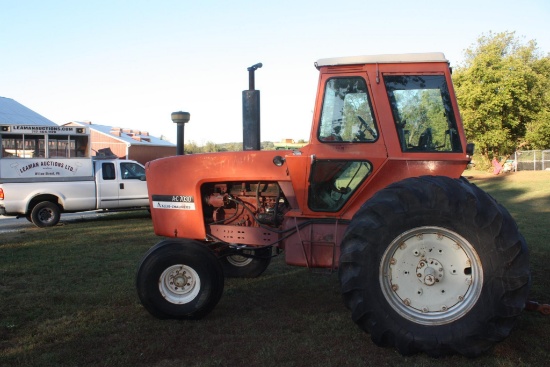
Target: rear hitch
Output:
{"points": [[535, 306]]}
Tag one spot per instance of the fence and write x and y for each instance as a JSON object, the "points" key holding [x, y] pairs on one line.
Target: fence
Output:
{"points": [[532, 160]]}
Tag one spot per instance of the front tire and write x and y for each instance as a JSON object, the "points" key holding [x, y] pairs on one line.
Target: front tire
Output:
{"points": [[434, 265], [180, 279], [45, 214]]}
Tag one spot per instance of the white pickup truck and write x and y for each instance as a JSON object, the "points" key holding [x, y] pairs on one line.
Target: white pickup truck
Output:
{"points": [[41, 189]]}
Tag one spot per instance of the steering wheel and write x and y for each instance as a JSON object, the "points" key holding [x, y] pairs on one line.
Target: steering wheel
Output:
{"points": [[367, 127]]}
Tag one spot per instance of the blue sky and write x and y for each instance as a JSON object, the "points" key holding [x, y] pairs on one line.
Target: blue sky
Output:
{"points": [[131, 63]]}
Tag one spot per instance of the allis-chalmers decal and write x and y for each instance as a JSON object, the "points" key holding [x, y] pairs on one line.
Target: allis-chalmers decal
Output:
{"points": [[179, 202]]}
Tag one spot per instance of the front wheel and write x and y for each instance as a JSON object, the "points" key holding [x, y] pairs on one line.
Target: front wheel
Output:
{"points": [[434, 265], [45, 214], [180, 279]]}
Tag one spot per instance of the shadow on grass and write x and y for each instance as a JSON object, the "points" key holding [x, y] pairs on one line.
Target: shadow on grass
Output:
{"points": [[68, 298]]}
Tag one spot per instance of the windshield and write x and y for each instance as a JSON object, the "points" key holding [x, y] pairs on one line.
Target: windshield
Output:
{"points": [[347, 114]]}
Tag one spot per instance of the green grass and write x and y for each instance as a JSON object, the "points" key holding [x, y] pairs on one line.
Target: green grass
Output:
{"points": [[526, 195], [67, 298]]}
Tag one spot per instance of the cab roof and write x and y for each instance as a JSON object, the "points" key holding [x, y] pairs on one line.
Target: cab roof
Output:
{"points": [[382, 59]]}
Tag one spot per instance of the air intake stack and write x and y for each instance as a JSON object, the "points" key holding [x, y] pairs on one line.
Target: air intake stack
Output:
{"points": [[180, 118]]}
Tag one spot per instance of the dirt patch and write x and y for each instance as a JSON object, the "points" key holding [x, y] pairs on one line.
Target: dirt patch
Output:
{"points": [[9, 237]]}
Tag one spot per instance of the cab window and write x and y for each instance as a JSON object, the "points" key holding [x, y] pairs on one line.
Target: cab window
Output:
{"points": [[333, 182], [346, 115], [132, 171], [423, 113], [108, 171]]}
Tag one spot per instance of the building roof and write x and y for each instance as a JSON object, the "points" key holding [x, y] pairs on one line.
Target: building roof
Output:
{"points": [[14, 113], [126, 135]]}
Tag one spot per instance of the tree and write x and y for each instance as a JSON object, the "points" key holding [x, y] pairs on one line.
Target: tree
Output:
{"points": [[210, 147], [502, 91], [267, 145], [537, 135], [538, 131], [192, 147]]}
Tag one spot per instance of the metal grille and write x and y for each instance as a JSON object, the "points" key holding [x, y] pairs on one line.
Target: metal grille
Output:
{"points": [[532, 160]]}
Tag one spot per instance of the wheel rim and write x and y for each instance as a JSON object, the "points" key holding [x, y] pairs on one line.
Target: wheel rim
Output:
{"points": [[179, 284], [239, 260], [431, 275], [45, 215]]}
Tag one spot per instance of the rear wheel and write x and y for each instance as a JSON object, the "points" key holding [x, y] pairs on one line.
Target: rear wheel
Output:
{"points": [[434, 265], [179, 279], [431, 275], [247, 263], [45, 214]]}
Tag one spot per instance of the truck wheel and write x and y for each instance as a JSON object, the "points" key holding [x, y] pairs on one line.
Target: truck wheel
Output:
{"points": [[180, 279], [242, 266], [45, 214], [434, 265]]}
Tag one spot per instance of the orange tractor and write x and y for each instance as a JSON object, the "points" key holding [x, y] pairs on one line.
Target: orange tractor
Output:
{"points": [[427, 261]]}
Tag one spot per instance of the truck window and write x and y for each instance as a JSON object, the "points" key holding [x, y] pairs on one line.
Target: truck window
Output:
{"points": [[332, 182], [108, 171], [80, 144], [131, 171], [423, 113], [23, 146], [59, 146], [12, 146], [44, 142], [347, 114]]}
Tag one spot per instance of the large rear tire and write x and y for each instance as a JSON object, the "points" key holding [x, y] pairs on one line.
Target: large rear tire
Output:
{"points": [[180, 279], [434, 265]]}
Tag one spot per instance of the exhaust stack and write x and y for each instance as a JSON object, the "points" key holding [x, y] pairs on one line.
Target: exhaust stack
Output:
{"points": [[251, 113]]}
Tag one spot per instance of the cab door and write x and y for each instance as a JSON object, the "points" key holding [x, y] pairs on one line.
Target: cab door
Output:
{"points": [[132, 185], [107, 185], [348, 147]]}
